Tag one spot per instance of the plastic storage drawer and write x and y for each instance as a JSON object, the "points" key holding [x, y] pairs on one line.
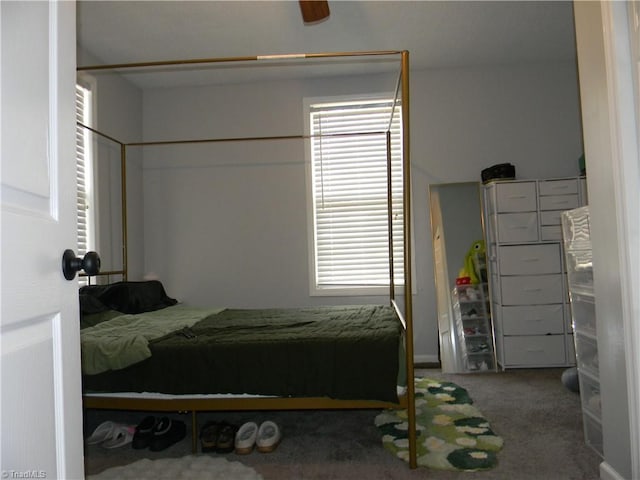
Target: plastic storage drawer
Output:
{"points": [[583, 313], [590, 395], [580, 270], [587, 354], [593, 433]]}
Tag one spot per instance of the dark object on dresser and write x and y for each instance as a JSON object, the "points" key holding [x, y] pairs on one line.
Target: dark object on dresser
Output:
{"points": [[503, 171]]}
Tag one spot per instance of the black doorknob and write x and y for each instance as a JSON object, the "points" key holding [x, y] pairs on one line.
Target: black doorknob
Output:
{"points": [[71, 264]]}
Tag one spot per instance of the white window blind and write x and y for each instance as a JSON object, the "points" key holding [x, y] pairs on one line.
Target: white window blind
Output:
{"points": [[350, 208], [84, 173]]}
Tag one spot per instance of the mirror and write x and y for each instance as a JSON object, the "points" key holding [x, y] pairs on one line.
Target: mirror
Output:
{"points": [[456, 223]]}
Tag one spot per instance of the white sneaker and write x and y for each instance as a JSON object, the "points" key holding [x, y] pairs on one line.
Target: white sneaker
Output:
{"points": [[269, 437], [246, 438], [102, 433]]}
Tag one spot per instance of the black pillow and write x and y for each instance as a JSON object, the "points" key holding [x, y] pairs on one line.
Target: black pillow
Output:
{"points": [[127, 297], [90, 304]]}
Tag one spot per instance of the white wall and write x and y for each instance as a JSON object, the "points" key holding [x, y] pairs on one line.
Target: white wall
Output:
{"points": [[119, 115], [228, 225]]}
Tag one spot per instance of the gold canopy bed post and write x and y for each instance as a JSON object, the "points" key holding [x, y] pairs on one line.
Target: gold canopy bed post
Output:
{"points": [[402, 91], [406, 317], [408, 284], [123, 179]]}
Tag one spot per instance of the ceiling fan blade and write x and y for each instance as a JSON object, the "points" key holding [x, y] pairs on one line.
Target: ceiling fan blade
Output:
{"points": [[313, 10]]}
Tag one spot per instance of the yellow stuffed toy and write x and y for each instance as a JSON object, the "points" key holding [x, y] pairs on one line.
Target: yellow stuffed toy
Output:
{"points": [[470, 266]]}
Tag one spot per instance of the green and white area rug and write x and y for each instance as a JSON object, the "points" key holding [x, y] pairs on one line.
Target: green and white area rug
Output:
{"points": [[451, 433]]}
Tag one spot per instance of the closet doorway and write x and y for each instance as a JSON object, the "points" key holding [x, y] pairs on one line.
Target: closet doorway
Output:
{"points": [[456, 223]]}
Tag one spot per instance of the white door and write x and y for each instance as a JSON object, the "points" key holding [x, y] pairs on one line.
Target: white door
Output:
{"points": [[41, 410]]}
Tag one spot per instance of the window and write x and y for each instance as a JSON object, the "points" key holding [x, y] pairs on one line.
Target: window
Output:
{"points": [[84, 173], [349, 196]]}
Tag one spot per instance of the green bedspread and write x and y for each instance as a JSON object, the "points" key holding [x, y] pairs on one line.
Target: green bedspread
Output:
{"points": [[124, 340], [349, 352]]}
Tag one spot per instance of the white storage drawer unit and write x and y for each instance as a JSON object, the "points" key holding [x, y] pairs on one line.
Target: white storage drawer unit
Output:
{"points": [[517, 227], [578, 256], [532, 289], [528, 278], [564, 186], [559, 202], [516, 197], [530, 259], [550, 233], [540, 350], [555, 197], [532, 320], [473, 327], [550, 217]]}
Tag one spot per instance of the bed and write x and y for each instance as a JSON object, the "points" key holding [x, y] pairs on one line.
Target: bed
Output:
{"points": [[347, 352], [330, 357]]}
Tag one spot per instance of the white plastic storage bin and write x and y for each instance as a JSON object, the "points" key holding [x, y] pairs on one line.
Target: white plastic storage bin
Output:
{"points": [[584, 313], [587, 353], [577, 242], [576, 229], [580, 270], [474, 327], [593, 433], [590, 395]]}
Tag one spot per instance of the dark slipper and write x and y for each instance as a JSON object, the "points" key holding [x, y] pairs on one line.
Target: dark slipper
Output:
{"points": [[209, 436], [166, 433], [226, 438], [144, 433]]}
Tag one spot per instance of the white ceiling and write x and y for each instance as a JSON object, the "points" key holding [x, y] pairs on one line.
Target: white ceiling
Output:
{"points": [[437, 34]]}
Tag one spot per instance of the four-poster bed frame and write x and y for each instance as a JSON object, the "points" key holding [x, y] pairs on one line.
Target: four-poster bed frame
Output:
{"points": [[196, 404]]}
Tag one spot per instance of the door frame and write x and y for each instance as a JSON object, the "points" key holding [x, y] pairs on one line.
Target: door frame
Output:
{"points": [[607, 44]]}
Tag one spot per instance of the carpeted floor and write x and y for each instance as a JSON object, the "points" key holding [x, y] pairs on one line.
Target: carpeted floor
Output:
{"points": [[538, 418]]}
